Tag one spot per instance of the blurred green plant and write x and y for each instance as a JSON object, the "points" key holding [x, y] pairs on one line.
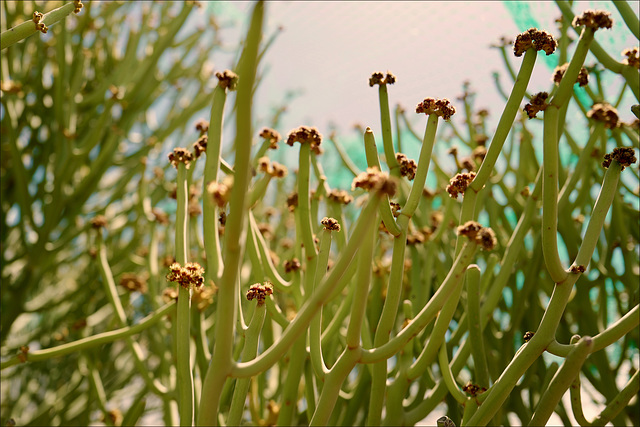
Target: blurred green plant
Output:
{"points": [[375, 313]]}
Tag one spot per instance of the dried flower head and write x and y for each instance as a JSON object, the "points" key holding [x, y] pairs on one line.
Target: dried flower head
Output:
{"points": [[473, 389], [264, 165], [278, 170], [340, 196], [291, 265], [483, 236], [528, 335], [379, 78], [169, 294], [203, 297], [227, 79], [260, 291], [188, 276], [459, 183], [222, 218], [78, 6], [220, 192], [99, 221], [470, 229], [558, 73], [623, 155], [534, 39], [180, 155], [37, 19], [577, 268], [467, 164], [593, 19], [480, 139], [606, 113], [292, 201], [375, 180], [330, 224], [536, 104], [133, 282], [202, 126], [439, 107], [503, 41], [200, 146], [395, 209], [272, 136], [407, 166], [633, 58], [306, 135]]}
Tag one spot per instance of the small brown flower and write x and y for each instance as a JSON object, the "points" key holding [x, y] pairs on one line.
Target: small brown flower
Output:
{"points": [[272, 136], [220, 192], [340, 196], [203, 297], [160, 216], [407, 166], [134, 282], [291, 265], [330, 224], [632, 57], [99, 221], [278, 170], [200, 146], [558, 73], [395, 209], [528, 335], [222, 218], [625, 156], [470, 229], [202, 126], [78, 6], [536, 104], [473, 389], [227, 79], [188, 276], [379, 78], [292, 201], [260, 291], [264, 165], [534, 39], [577, 268], [24, 353], [486, 238], [306, 135], [439, 107], [180, 155], [373, 179], [593, 19], [37, 19], [169, 294], [459, 183], [481, 139], [606, 113]]}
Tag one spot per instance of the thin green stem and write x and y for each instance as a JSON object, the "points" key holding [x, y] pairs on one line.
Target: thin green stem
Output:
{"points": [[28, 28]]}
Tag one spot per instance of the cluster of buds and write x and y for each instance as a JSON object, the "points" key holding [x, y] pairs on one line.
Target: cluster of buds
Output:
{"points": [[134, 282], [593, 19], [528, 335], [536, 104], [37, 19], [395, 209], [274, 169], [78, 6], [202, 126], [459, 183], [374, 179], [606, 113], [439, 107], [558, 73], [272, 136], [292, 265], [473, 389], [578, 268], [160, 216], [292, 201], [180, 155], [306, 135], [534, 39], [203, 297], [419, 236], [340, 196], [227, 79], [483, 236], [220, 191], [98, 222], [170, 294], [407, 166], [633, 58], [188, 276], [623, 155], [380, 78], [260, 291], [200, 146], [330, 224], [479, 153]]}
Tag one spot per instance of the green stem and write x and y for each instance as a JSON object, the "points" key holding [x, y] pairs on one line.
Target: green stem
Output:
{"points": [[447, 376], [387, 136], [474, 325], [28, 28]]}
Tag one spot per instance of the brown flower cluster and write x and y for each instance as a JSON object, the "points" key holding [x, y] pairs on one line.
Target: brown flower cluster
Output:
{"points": [[419, 236], [274, 169], [578, 268], [623, 155], [227, 79], [306, 135], [272, 136], [78, 6], [439, 107], [459, 183], [632, 57], [330, 224], [606, 113], [292, 265], [536, 104], [260, 291], [99, 221], [180, 155], [379, 78], [483, 236], [407, 166], [395, 209], [340, 196], [373, 179], [37, 19], [160, 216], [203, 297], [200, 146], [473, 389], [593, 19], [133, 282], [170, 294], [188, 276], [220, 192], [558, 73], [292, 201], [528, 335], [202, 126], [534, 39]]}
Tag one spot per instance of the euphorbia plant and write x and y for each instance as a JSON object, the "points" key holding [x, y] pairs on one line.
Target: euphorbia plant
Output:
{"points": [[325, 306]]}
